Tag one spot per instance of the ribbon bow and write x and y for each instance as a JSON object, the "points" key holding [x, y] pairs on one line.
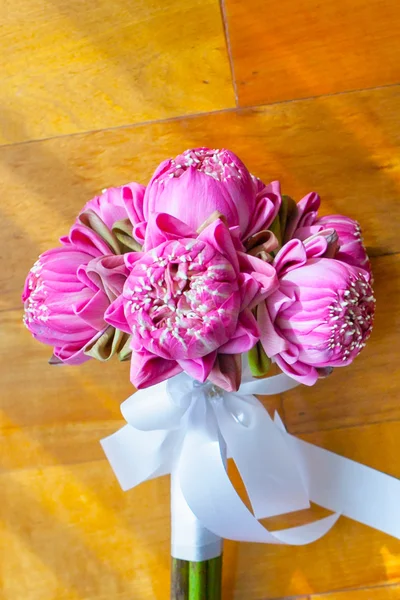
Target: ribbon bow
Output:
{"points": [[188, 429]]}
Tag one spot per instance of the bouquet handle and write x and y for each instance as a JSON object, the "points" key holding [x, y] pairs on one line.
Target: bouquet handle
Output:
{"points": [[196, 564]]}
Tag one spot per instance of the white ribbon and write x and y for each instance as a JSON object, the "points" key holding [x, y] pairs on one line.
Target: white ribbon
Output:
{"points": [[187, 429]]}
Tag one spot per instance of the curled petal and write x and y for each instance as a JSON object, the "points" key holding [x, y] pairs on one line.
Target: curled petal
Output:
{"points": [[324, 244], [131, 258], [115, 315], [148, 369], [303, 233], [227, 372], [73, 354], [108, 273], [316, 246], [87, 240], [268, 203], [292, 256], [263, 242], [304, 215], [245, 337], [217, 235], [271, 341], [264, 273], [139, 232], [249, 290], [93, 222], [302, 372], [165, 228], [199, 368], [92, 309], [132, 198]]}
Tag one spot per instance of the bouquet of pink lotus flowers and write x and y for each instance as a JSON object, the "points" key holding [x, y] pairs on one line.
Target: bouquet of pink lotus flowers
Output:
{"points": [[202, 280]]}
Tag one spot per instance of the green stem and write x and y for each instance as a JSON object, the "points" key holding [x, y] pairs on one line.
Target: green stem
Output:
{"points": [[214, 578], [179, 579], [198, 580]]}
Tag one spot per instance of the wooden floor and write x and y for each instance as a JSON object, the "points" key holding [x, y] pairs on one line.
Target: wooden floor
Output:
{"points": [[94, 94]]}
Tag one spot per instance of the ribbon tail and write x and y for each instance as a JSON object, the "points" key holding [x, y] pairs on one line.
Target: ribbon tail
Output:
{"points": [[137, 456], [211, 496], [263, 455], [356, 491]]}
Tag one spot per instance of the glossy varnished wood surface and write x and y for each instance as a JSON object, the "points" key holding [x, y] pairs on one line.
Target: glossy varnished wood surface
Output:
{"points": [[285, 50], [77, 65], [345, 147], [67, 531]]}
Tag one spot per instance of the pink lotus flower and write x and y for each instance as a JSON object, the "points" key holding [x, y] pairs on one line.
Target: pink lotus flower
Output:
{"points": [[305, 223], [321, 315], [66, 294], [106, 222], [200, 182], [187, 302]]}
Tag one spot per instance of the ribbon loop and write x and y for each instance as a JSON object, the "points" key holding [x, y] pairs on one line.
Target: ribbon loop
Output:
{"points": [[264, 458], [187, 429]]}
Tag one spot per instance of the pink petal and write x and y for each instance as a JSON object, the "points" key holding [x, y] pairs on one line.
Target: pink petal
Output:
{"points": [[291, 256], [303, 373], [84, 278], [245, 337], [108, 206], [132, 197], [139, 232], [227, 372], [88, 241], [93, 309], [131, 258], [271, 341], [115, 315], [305, 215], [316, 246], [148, 369], [74, 354], [164, 228], [249, 290], [264, 273], [302, 233], [268, 203], [199, 368], [218, 236], [109, 274], [152, 190]]}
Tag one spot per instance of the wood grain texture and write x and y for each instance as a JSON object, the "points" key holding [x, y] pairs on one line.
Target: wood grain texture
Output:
{"points": [[387, 592], [57, 414], [69, 532], [288, 50], [346, 147], [69, 66]]}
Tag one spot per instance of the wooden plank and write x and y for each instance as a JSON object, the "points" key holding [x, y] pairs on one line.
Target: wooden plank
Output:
{"points": [[346, 147], [386, 592], [88, 538], [57, 414], [292, 50], [37, 394], [368, 390], [69, 532], [350, 556], [78, 66], [65, 443]]}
